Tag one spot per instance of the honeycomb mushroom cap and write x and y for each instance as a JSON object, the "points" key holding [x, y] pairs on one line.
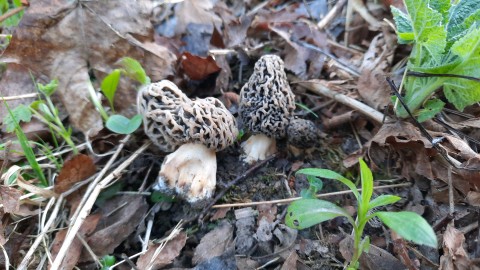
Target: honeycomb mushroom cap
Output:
{"points": [[266, 100], [302, 133], [172, 119]]}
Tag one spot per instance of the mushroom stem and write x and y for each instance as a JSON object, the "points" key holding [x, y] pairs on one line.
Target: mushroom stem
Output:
{"points": [[258, 147], [190, 171]]}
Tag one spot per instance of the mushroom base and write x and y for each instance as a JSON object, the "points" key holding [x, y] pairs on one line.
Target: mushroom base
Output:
{"points": [[258, 147], [190, 172]]}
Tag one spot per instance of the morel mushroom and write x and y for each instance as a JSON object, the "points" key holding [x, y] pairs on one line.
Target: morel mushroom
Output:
{"points": [[194, 130], [266, 103], [302, 135]]}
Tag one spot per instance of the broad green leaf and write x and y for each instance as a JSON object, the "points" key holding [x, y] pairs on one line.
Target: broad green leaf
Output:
{"points": [[410, 226], [20, 113], [134, 70], [315, 185], [461, 17], [122, 125], [110, 84], [428, 30], [383, 200], [49, 88], [305, 213], [430, 109], [367, 185], [442, 6], [404, 26], [324, 173]]}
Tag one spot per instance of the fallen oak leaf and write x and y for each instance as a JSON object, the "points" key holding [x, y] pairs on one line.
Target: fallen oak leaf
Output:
{"points": [[198, 68], [169, 252]]}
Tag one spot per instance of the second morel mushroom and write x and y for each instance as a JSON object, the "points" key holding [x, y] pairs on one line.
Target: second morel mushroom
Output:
{"points": [[266, 104], [194, 130]]}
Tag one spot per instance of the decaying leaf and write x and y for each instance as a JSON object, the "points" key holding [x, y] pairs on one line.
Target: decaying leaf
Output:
{"points": [[65, 40], [79, 168], [455, 256], [198, 68], [214, 243], [10, 198], [75, 249], [121, 216], [166, 256]]}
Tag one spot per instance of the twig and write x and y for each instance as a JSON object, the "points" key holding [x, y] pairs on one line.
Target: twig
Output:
{"points": [[331, 14], [319, 88], [85, 210], [289, 200], [426, 75], [11, 12], [230, 184], [45, 229], [31, 95]]}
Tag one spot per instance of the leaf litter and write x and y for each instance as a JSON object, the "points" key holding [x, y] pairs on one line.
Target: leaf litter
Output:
{"points": [[209, 48]]}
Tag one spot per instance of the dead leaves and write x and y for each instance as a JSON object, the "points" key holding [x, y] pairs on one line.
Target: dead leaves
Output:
{"points": [[66, 40], [158, 255]]}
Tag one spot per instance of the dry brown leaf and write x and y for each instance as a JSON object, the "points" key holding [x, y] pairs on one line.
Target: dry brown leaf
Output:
{"points": [[455, 256], [220, 213], [122, 214], [473, 198], [198, 12], [74, 170], [10, 198], [372, 85], [214, 243], [166, 256], [198, 68], [75, 249], [65, 40], [291, 261]]}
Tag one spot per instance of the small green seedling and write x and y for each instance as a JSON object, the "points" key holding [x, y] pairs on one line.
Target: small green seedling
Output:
{"points": [[107, 261], [119, 123], [308, 212], [446, 48]]}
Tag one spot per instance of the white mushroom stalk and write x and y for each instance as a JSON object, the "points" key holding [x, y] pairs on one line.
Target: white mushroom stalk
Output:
{"points": [[266, 104], [191, 171], [194, 130], [258, 147]]}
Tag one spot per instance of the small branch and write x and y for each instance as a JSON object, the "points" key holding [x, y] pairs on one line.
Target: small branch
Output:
{"points": [[289, 200], [11, 13], [318, 88], [427, 75], [334, 11], [31, 95]]}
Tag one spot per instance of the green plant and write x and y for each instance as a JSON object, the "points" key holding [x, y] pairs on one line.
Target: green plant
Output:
{"points": [[307, 212], [8, 6], [107, 261], [445, 53], [12, 124], [119, 123]]}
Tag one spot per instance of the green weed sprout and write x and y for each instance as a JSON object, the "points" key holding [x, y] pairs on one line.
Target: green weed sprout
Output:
{"points": [[308, 212], [445, 53], [115, 122]]}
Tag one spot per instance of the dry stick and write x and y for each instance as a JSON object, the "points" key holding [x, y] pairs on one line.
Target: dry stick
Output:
{"points": [[85, 210], [10, 13], [331, 14], [232, 183], [38, 240], [320, 89], [31, 95], [289, 200]]}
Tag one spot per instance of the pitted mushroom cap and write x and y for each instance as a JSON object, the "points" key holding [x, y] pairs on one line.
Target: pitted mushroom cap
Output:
{"points": [[171, 119], [266, 100], [302, 133]]}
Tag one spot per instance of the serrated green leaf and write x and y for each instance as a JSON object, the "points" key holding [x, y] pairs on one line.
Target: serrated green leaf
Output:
{"points": [[109, 85], [430, 35], [122, 125], [134, 70], [461, 17], [49, 88], [404, 26], [20, 113], [305, 213], [442, 6], [324, 173], [430, 109], [462, 92], [383, 200], [410, 226]]}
